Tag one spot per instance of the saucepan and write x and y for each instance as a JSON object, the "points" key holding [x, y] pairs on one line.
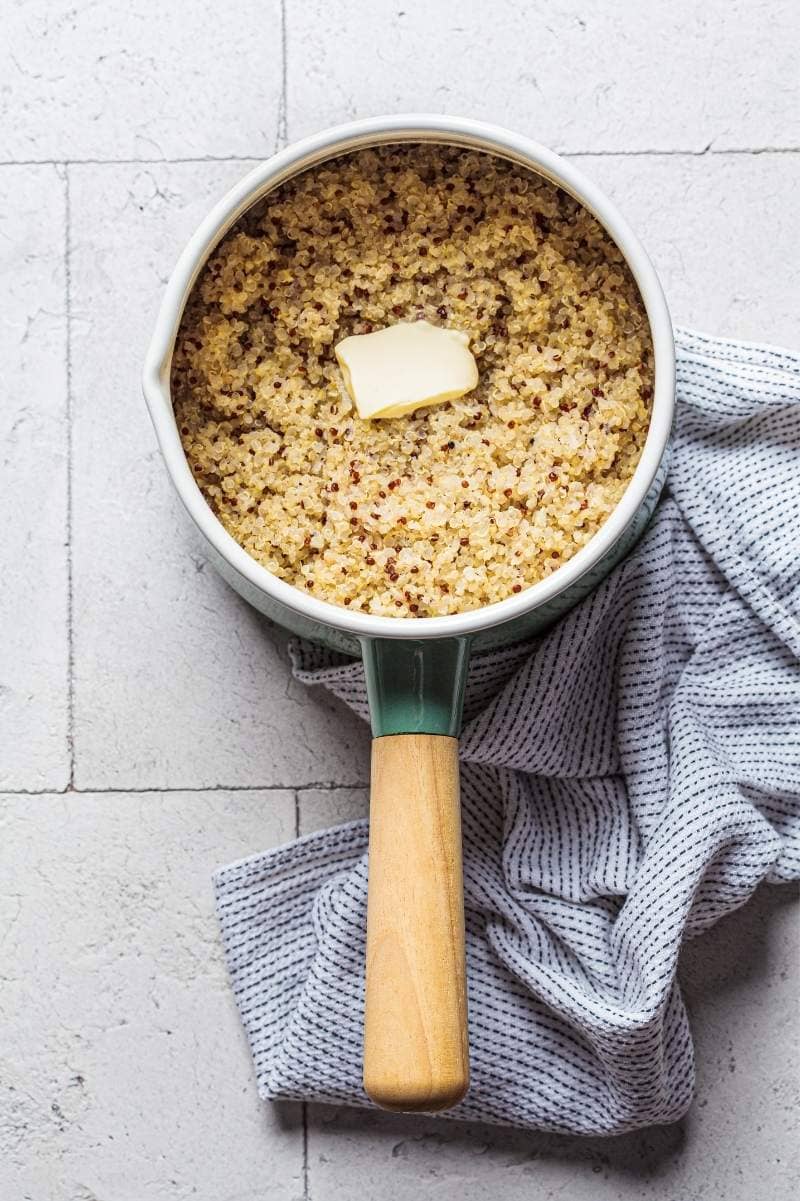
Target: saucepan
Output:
{"points": [[415, 1039]]}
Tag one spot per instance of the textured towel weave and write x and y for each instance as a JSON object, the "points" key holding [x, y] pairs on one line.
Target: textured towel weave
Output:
{"points": [[628, 778]]}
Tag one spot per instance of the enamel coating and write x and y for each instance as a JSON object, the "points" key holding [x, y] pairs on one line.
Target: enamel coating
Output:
{"points": [[413, 689]]}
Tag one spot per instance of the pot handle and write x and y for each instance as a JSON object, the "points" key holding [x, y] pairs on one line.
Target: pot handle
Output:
{"points": [[416, 1054]]}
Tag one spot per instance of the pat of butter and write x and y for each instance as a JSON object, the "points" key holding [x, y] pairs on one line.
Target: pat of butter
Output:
{"points": [[406, 367]]}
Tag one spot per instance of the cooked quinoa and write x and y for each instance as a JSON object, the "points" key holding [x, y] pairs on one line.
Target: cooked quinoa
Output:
{"points": [[457, 505]]}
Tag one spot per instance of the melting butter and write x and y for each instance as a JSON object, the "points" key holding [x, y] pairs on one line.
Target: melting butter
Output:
{"points": [[405, 367]]}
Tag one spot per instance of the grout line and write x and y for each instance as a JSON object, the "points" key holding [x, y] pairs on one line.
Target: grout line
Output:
{"points": [[69, 521], [281, 131], [312, 786], [706, 151], [143, 162]]}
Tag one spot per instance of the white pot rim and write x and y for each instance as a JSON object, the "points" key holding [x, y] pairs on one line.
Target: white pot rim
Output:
{"points": [[309, 152]]}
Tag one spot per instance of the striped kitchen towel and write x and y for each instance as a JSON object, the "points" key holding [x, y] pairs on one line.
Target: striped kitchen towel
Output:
{"points": [[628, 779]]}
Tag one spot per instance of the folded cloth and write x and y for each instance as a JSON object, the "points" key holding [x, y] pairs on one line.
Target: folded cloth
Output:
{"points": [[628, 778]]}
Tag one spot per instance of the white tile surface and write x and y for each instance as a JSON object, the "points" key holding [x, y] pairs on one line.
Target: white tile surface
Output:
{"points": [[722, 231], [139, 79], [178, 683], [319, 808], [125, 1075], [33, 480], [595, 76], [124, 1071]]}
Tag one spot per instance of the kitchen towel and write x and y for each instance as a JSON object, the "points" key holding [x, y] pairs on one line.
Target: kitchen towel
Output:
{"points": [[628, 778]]}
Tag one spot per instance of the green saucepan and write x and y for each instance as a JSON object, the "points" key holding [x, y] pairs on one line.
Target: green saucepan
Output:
{"points": [[415, 1047]]}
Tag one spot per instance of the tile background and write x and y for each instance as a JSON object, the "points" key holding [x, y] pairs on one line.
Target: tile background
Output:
{"points": [[149, 726]]}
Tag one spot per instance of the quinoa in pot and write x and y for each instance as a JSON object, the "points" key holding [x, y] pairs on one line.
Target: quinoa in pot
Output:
{"points": [[457, 505]]}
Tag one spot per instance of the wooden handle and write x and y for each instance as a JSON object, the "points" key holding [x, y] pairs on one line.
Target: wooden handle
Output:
{"points": [[416, 1054]]}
